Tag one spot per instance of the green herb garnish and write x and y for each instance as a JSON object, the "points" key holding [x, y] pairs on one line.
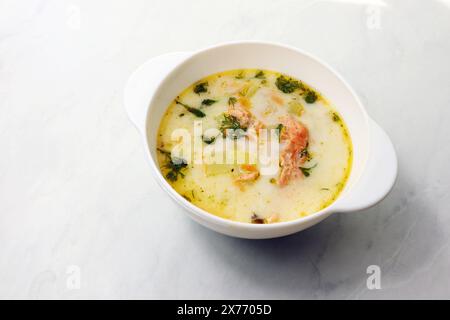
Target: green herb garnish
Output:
{"points": [[197, 112], [335, 117], [208, 140], [287, 85], [279, 128], [232, 101], [208, 102], [201, 87], [232, 124], [240, 75], [260, 75], [175, 165], [310, 96], [307, 171], [164, 152]]}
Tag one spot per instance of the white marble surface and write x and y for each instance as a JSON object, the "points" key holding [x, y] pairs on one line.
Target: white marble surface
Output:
{"points": [[75, 188]]}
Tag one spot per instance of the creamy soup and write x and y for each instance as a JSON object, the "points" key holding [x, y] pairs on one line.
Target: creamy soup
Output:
{"points": [[239, 108]]}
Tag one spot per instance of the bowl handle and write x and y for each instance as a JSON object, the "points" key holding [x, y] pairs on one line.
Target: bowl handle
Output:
{"points": [[143, 82], [378, 177]]}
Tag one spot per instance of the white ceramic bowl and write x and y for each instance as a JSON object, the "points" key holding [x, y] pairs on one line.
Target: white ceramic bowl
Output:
{"points": [[154, 85]]}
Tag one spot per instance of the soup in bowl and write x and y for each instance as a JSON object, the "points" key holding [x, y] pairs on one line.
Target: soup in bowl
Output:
{"points": [[206, 116], [216, 134]]}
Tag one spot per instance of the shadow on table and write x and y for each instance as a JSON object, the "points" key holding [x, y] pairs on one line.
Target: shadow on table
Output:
{"points": [[330, 259]]}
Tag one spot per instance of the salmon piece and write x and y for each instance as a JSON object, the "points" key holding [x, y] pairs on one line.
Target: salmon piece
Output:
{"points": [[249, 167], [246, 177], [241, 114], [295, 137], [249, 173], [245, 118]]}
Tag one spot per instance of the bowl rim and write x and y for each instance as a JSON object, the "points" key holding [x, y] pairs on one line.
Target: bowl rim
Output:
{"points": [[209, 217]]}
